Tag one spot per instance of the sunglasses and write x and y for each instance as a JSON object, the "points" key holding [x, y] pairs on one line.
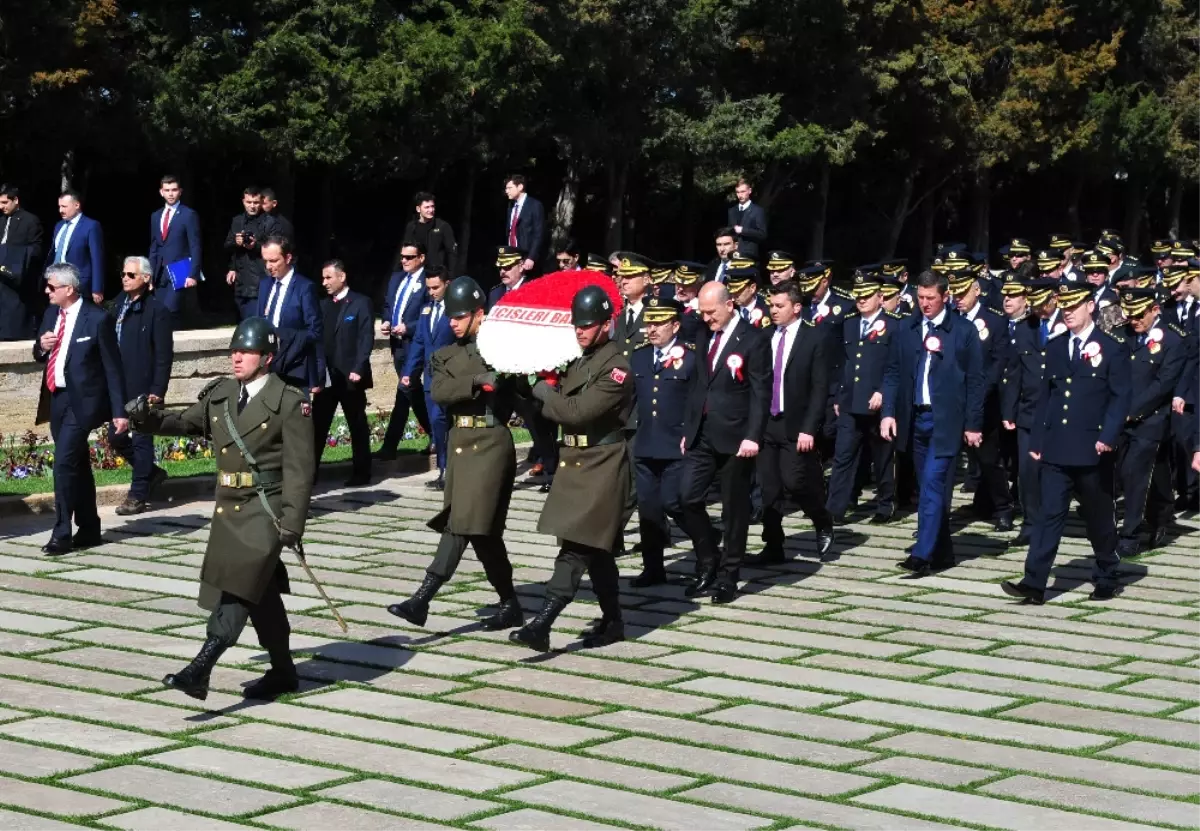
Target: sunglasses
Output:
{"points": [[130, 274], [409, 256], [52, 287]]}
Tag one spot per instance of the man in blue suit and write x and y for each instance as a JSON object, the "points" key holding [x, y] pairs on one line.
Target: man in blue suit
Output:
{"points": [[933, 391], [432, 333], [292, 305], [526, 225], [82, 388], [1081, 412], [174, 236], [78, 240], [401, 310]]}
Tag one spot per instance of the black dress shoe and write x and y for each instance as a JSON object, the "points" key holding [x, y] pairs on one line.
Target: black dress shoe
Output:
{"points": [[1027, 594], [882, 519], [545, 488], [1158, 538], [87, 539], [438, 484], [919, 567], [725, 593], [1127, 548], [648, 578], [1105, 592], [1004, 523], [839, 520], [1023, 537], [825, 543], [771, 555], [56, 548], [968, 487], [704, 581], [604, 633]]}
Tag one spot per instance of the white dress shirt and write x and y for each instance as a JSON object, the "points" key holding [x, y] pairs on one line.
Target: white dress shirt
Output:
{"points": [[1083, 338], [60, 362], [726, 333], [868, 322], [64, 239], [925, 398], [788, 333], [254, 387], [280, 288], [636, 308]]}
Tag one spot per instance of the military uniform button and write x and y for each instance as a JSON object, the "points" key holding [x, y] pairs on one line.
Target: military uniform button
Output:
{"points": [[224, 450], [220, 510], [654, 412], [859, 355], [237, 507], [458, 450], [653, 400], [1067, 394], [214, 418], [1064, 421], [264, 425], [656, 389]]}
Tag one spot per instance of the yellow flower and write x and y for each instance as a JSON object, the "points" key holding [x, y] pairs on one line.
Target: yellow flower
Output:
{"points": [[120, 462]]}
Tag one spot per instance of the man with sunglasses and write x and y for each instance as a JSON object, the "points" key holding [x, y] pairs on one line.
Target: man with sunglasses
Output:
{"points": [[402, 306]]}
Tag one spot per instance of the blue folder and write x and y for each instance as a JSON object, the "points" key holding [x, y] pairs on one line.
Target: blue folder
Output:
{"points": [[180, 270]]}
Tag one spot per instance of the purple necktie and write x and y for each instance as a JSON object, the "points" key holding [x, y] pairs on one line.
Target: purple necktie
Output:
{"points": [[777, 384]]}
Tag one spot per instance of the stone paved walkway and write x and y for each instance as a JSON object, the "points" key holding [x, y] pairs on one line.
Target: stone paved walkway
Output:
{"points": [[834, 696]]}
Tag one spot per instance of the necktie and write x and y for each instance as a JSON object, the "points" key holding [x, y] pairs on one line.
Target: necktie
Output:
{"points": [[777, 381], [815, 310], [512, 224], [271, 303], [7, 222], [50, 363], [862, 332], [745, 313], [437, 313], [629, 322], [713, 349], [398, 303], [923, 378], [1141, 340], [1012, 328], [60, 244], [166, 221], [721, 273], [1044, 332], [121, 318], [1076, 348], [658, 356], [242, 399]]}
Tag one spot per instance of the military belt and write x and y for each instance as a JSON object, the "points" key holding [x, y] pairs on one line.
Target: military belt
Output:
{"points": [[476, 421], [249, 480], [593, 439]]}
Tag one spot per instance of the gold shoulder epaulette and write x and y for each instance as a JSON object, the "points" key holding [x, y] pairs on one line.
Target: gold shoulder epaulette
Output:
{"points": [[1179, 330]]}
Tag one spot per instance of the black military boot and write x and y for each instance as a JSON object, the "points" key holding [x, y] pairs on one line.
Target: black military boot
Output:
{"points": [[536, 633], [508, 616], [193, 679], [416, 609], [603, 632], [281, 678]]}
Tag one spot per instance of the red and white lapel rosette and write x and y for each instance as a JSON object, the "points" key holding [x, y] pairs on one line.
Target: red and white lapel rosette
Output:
{"points": [[674, 357], [1091, 351], [933, 344], [1154, 340], [878, 328], [734, 362], [1060, 328]]}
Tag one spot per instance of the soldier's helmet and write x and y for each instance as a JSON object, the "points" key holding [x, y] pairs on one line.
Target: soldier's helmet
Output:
{"points": [[463, 297], [590, 306], [255, 334]]}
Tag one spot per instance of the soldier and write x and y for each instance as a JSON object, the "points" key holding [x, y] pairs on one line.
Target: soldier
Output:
{"points": [[662, 371], [827, 308], [1081, 410], [633, 281], [781, 267], [743, 286], [262, 434], [688, 276], [1016, 309], [661, 280], [993, 498], [1017, 252], [480, 468], [1027, 359], [591, 400], [860, 396], [1159, 355], [895, 273]]}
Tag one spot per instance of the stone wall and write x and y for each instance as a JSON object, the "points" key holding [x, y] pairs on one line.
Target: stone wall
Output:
{"points": [[200, 356]]}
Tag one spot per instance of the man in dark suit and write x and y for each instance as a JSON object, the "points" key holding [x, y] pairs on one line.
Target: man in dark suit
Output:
{"points": [[826, 307], [174, 236], [82, 388], [749, 222], [725, 242], [1081, 411], [1187, 391], [933, 401], [402, 306], [788, 464], [290, 302], [432, 333], [247, 232], [145, 338], [270, 208], [20, 259], [526, 225], [348, 327], [726, 418], [434, 233], [78, 240], [510, 262]]}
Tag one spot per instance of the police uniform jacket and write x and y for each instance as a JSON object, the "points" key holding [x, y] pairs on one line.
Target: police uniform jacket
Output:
{"points": [[865, 360], [593, 482], [1189, 380], [661, 400], [690, 324], [993, 332], [243, 550], [1082, 401], [480, 459], [1155, 368], [1027, 362], [830, 323], [758, 315]]}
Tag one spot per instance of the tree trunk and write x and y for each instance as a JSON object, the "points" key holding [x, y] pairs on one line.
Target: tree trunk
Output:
{"points": [[1074, 224], [816, 239], [618, 180], [1175, 204], [899, 216], [981, 209], [67, 171], [564, 208], [928, 222], [1135, 199], [464, 223], [687, 212]]}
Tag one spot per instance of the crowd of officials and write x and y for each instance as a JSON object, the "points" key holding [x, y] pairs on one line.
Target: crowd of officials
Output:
{"points": [[1069, 371]]}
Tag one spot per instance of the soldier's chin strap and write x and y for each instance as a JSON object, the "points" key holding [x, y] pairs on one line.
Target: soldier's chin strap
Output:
{"points": [[298, 545]]}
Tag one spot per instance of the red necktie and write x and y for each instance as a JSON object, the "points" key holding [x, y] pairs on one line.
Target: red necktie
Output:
{"points": [[166, 221], [713, 349], [58, 333], [512, 226]]}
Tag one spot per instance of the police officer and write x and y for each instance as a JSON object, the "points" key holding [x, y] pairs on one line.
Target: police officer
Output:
{"points": [[1183, 405], [826, 308], [1081, 411], [481, 463], [662, 280], [662, 370], [895, 274], [1158, 355], [688, 276], [262, 434], [781, 267], [591, 400], [992, 495], [1015, 296], [742, 279], [860, 396], [1027, 360]]}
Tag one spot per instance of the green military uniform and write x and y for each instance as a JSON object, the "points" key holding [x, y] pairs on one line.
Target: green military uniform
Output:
{"points": [[587, 501], [263, 445]]}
